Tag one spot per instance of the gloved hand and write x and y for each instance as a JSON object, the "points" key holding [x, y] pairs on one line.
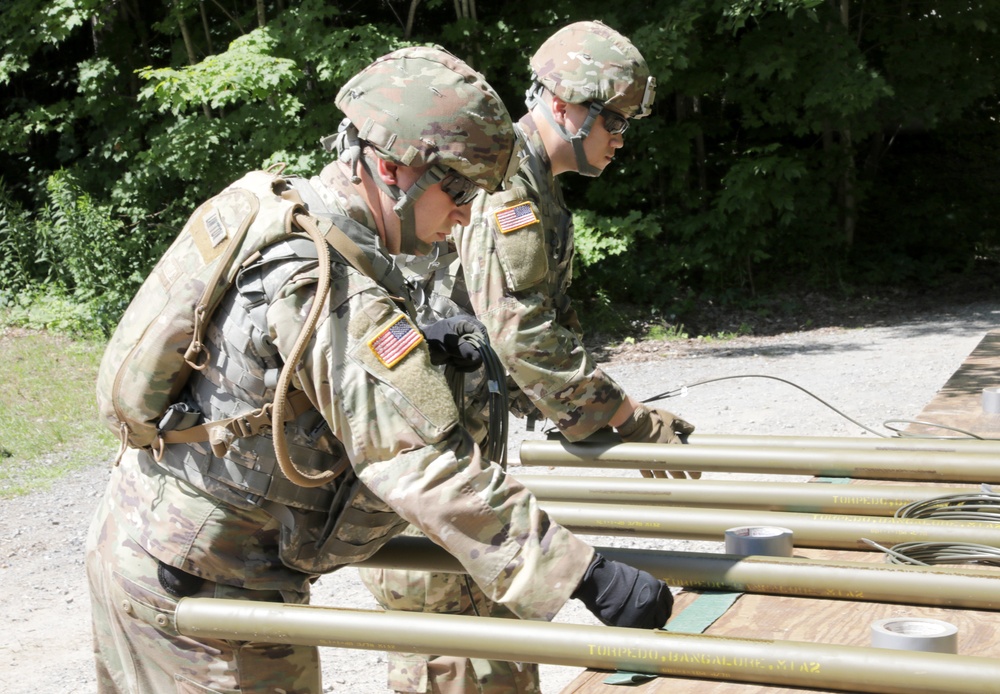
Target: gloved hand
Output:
{"points": [[623, 596], [651, 425], [449, 343]]}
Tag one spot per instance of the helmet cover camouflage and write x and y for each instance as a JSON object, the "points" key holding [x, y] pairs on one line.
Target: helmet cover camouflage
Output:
{"points": [[422, 105], [590, 61]]}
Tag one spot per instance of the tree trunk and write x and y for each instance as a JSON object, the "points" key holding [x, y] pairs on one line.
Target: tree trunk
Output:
{"points": [[466, 9], [205, 27], [411, 15], [847, 143], [849, 201], [189, 47], [699, 149], [232, 18]]}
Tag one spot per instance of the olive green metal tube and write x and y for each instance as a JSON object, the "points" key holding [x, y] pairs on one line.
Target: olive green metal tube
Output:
{"points": [[786, 663], [810, 529], [797, 497], [975, 589], [928, 466], [867, 443]]}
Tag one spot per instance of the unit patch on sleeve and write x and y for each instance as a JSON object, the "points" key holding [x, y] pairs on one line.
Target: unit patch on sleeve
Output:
{"points": [[515, 217], [395, 342]]}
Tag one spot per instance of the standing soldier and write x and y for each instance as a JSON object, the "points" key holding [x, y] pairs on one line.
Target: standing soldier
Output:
{"points": [[512, 271], [220, 518]]}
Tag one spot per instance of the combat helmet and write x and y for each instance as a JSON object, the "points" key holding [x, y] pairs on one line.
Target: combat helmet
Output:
{"points": [[423, 106], [591, 63]]}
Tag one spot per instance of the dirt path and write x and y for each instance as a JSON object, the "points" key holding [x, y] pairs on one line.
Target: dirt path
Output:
{"points": [[873, 374]]}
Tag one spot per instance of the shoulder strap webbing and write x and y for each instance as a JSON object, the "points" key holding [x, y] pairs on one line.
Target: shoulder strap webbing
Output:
{"points": [[285, 408]]}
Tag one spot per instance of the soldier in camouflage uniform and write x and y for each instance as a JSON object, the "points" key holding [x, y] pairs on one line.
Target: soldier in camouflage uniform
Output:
{"points": [[195, 519], [512, 267]]}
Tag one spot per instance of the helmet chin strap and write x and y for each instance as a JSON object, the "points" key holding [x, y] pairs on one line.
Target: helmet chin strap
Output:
{"points": [[583, 166], [408, 241], [350, 148]]}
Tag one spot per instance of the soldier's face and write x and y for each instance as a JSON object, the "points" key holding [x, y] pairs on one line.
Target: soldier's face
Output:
{"points": [[600, 145], [435, 211]]}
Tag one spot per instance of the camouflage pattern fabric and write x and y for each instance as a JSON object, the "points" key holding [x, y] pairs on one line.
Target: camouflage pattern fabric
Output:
{"points": [[590, 61], [441, 593], [395, 419], [521, 298], [462, 124], [136, 644], [517, 284], [530, 321]]}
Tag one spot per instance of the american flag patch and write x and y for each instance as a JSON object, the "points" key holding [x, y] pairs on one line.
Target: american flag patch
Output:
{"points": [[395, 342], [515, 217]]}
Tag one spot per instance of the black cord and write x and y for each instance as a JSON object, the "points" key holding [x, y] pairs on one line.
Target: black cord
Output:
{"points": [[498, 402]]}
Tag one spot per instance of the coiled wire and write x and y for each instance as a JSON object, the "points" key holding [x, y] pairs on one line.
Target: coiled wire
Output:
{"points": [[495, 445], [982, 506], [929, 553]]}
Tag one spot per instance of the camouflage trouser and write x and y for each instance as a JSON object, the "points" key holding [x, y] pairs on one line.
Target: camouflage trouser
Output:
{"points": [[136, 645], [419, 591]]}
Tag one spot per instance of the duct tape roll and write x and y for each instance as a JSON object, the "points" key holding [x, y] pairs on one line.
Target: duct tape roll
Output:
{"points": [[991, 400], [767, 541], [915, 634]]}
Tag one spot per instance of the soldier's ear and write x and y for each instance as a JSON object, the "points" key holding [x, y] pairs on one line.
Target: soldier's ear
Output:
{"points": [[559, 107], [388, 172]]}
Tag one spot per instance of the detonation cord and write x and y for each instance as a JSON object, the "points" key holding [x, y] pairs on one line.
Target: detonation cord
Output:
{"points": [[977, 506], [930, 553], [982, 506], [682, 391], [495, 446]]}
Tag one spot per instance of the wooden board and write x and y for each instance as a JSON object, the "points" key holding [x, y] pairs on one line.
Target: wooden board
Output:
{"points": [[958, 404]]}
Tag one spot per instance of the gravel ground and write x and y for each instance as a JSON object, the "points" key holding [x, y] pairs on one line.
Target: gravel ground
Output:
{"points": [[872, 374]]}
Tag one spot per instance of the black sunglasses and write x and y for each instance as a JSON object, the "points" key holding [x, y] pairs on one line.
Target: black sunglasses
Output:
{"points": [[614, 123], [461, 189]]}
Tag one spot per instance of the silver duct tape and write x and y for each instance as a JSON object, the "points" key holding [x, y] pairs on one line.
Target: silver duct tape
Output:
{"points": [[915, 634], [991, 400], [769, 541]]}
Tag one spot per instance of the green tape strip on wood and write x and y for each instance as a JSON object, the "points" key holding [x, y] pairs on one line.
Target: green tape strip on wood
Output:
{"points": [[696, 617]]}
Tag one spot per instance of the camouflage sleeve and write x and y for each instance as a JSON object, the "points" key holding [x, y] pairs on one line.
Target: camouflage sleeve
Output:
{"points": [[369, 372], [517, 303]]}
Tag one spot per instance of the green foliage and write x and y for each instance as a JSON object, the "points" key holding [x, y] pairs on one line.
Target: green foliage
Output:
{"points": [[17, 249], [736, 15], [245, 73], [600, 238], [665, 332], [73, 266], [788, 143]]}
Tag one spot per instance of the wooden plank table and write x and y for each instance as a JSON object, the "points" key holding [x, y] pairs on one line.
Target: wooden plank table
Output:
{"points": [[957, 404]]}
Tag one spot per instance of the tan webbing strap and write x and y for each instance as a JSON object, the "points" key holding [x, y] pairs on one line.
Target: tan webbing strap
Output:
{"points": [[285, 408], [196, 355], [343, 244], [308, 224], [252, 422], [334, 236]]}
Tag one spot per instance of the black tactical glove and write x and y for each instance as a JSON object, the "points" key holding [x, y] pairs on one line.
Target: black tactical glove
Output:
{"points": [[449, 342], [623, 596], [647, 425]]}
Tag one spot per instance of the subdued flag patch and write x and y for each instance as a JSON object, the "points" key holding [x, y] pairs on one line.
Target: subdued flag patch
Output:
{"points": [[395, 342], [515, 217]]}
